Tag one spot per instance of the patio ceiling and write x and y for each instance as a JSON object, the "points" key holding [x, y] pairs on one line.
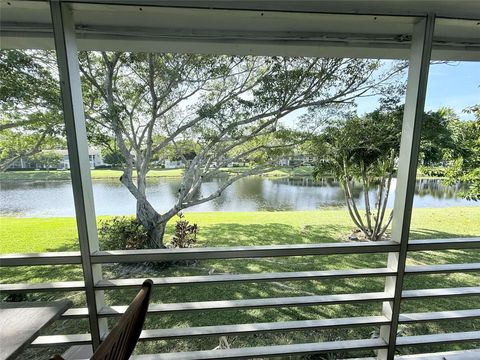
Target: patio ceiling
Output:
{"points": [[378, 29]]}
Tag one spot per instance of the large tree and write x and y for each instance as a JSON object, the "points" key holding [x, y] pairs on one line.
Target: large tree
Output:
{"points": [[30, 102], [232, 107]]}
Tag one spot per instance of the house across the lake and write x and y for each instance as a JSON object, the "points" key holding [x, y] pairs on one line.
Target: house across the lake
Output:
{"points": [[62, 161]]}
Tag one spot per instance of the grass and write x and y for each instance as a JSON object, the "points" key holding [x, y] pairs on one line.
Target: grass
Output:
{"points": [[96, 174], [159, 173], [115, 174], [262, 228]]}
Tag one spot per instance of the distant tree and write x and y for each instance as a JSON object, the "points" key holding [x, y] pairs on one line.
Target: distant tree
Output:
{"points": [[112, 155], [436, 138], [47, 159], [231, 106], [465, 157], [30, 104]]}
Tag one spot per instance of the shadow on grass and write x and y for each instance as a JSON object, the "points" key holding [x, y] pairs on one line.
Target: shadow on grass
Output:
{"points": [[71, 245], [268, 234], [420, 234]]}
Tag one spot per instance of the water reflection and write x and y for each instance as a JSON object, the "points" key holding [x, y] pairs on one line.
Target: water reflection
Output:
{"points": [[54, 198]]}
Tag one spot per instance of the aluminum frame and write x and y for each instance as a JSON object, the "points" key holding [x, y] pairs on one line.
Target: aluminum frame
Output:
{"points": [[75, 128], [419, 64], [66, 47]]}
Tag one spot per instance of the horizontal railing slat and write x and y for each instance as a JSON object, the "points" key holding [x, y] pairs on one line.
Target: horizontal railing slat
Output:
{"points": [[50, 258], [115, 256], [442, 268], [255, 277], [473, 354], [241, 304], [427, 293], [226, 278], [38, 287], [281, 302], [70, 339], [73, 257], [238, 329], [439, 315], [254, 303], [438, 338], [444, 244], [262, 327], [75, 313], [269, 351]]}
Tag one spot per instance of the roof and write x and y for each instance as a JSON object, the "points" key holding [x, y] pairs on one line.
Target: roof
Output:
{"points": [[374, 29]]}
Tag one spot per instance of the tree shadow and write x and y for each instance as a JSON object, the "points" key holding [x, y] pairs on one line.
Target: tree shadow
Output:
{"points": [[267, 234], [421, 234]]}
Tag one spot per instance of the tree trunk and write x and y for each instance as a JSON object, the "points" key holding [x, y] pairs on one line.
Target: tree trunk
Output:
{"points": [[151, 220], [152, 224]]}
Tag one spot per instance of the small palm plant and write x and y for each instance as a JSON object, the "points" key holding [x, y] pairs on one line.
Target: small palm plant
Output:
{"points": [[364, 150]]}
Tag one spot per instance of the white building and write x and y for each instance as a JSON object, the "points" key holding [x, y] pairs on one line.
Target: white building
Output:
{"points": [[174, 164], [94, 156]]}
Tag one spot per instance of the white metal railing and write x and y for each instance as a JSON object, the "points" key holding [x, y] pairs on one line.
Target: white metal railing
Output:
{"points": [[8, 260]]}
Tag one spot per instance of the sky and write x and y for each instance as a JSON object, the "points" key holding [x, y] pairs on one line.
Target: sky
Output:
{"points": [[455, 85]]}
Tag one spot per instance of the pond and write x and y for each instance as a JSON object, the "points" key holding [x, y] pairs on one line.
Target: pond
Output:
{"points": [[54, 198]]}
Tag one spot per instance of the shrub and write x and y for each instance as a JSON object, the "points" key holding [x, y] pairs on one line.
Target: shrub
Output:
{"points": [[121, 233], [185, 233], [434, 171]]}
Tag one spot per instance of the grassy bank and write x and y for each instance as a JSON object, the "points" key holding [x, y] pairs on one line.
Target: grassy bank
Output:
{"points": [[115, 174], [243, 228], [262, 228], [96, 174]]}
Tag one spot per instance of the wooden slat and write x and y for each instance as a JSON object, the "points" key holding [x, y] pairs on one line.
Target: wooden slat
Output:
{"points": [[262, 327], [438, 338], [254, 303], [40, 287], [427, 293], [439, 315], [269, 351], [70, 339], [444, 244], [50, 258], [443, 268], [242, 252], [282, 276]]}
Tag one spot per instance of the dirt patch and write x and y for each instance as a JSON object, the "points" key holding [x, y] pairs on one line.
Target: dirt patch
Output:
{"points": [[356, 235]]}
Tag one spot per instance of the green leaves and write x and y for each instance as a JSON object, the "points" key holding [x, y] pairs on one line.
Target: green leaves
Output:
{"points": [[30, 102], [466, 155]]}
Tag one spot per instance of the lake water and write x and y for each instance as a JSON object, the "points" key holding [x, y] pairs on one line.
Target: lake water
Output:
{"points": [[54, 198]]}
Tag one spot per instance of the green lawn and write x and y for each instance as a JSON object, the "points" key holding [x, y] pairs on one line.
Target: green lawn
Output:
{"points": [[96, 174], [115, 174], [262, 228]]}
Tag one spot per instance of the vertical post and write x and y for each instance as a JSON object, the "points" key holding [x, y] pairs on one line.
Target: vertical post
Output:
{"points": [[74, 117], [419, 63]]}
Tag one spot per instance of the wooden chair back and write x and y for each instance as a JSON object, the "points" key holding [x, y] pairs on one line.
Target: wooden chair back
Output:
{"points": [[121, 341]]}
